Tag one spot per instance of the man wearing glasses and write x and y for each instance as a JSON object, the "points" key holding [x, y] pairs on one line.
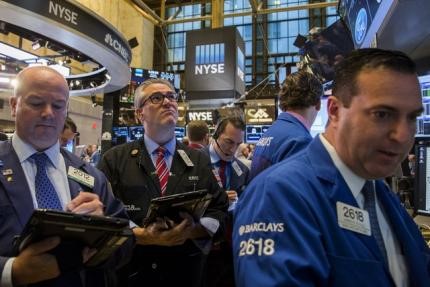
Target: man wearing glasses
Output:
{"points": [[168, 253]]}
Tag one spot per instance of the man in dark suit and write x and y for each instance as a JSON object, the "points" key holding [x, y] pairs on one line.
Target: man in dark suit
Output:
{"points": [[198, 134], [168, 253], [232, 175], [39, 105]]}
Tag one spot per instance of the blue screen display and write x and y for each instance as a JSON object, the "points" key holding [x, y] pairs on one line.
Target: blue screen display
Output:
{"points": [[136, 132], [423, 121], [119, 135], [179, 133], [254, 133]]}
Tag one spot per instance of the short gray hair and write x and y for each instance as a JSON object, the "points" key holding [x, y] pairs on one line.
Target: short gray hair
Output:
{"points": [[138, 95]]}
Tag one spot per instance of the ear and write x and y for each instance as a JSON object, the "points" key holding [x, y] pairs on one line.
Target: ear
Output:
{"points": [[13, 102], [333, 109], [139, 115]]}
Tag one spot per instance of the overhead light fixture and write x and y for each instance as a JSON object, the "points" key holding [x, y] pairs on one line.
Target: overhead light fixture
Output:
{"points": [[16, 53], [4, 80], [36, 45], [93, 100], [3, 28]]}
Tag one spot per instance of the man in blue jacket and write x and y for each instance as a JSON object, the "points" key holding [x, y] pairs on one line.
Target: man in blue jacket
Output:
{"points": [[324, 217], [299, 100]]}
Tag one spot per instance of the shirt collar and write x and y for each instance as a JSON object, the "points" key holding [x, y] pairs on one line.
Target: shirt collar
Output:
{"points": [[301, 119], [213, 155], [24, 150], [151, 145], [354, 182]]}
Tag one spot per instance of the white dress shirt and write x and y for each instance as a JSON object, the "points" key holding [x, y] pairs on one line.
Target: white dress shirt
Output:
{"points": [[396, 261]]}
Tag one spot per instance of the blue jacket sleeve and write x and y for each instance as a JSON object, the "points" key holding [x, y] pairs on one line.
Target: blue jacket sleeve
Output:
{"points": [[276, 239]]}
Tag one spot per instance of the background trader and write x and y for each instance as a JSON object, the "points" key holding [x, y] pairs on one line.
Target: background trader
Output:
{"points": [[232, 176], [158, 165], [198, 134], [299, 100], [325, 217]]}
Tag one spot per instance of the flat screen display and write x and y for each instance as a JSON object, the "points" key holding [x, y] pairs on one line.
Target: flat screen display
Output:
{"points": [[119, 135], [422, 176], [423, 121], [179, 133], [255, 132], [136, 132]]}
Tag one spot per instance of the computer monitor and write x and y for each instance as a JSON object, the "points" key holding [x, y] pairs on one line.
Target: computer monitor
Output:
{"points": [[422, 176], [179, 133], [136, 132], [255, 132], [119, 135], [423, 121]]}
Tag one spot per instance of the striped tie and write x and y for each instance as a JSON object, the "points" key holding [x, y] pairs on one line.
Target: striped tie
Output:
{"points": [[162, 170], [370, 205]]}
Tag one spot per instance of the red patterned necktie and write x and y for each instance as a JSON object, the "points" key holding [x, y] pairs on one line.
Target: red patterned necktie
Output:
{"points": [[162, 170], [221, 171]]}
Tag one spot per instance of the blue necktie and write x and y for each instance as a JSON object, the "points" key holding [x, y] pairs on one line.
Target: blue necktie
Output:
{"points": [[370, 205], [46, 195]]}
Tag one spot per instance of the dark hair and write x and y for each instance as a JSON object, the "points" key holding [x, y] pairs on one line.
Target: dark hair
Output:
{"points": [[197, 131], [70, 124], [237, 122], [347, 71], [300, 90]]}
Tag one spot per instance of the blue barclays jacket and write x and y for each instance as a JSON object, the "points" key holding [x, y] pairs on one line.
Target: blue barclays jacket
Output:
{"points": [[16, 207], [286, 231], [284, 138]]}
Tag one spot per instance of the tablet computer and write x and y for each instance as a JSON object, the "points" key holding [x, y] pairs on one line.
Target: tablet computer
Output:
{"points": [[194, 202], [105, 234]]}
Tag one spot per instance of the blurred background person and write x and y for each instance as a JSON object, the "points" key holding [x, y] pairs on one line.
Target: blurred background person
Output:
{"points": [[232, 176], [70, 131], [242, 153], [299, 100], [198, 134]]}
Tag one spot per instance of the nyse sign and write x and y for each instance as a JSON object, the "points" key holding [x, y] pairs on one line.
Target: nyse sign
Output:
{"points": [[209, 59], [200, 116], [209, 69]]}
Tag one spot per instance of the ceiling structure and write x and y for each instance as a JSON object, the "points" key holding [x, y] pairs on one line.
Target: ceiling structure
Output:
{"points": [[57, 31], [153, 10]]}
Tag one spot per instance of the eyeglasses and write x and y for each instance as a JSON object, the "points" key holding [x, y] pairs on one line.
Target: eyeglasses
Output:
{"points": [[158, 97]]}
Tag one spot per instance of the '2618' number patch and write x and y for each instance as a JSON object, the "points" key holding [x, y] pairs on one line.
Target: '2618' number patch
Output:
{"points": [[257, 246], [353, 218]]}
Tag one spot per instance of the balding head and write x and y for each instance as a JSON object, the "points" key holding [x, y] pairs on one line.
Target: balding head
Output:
{"points": [[39, 105]]}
